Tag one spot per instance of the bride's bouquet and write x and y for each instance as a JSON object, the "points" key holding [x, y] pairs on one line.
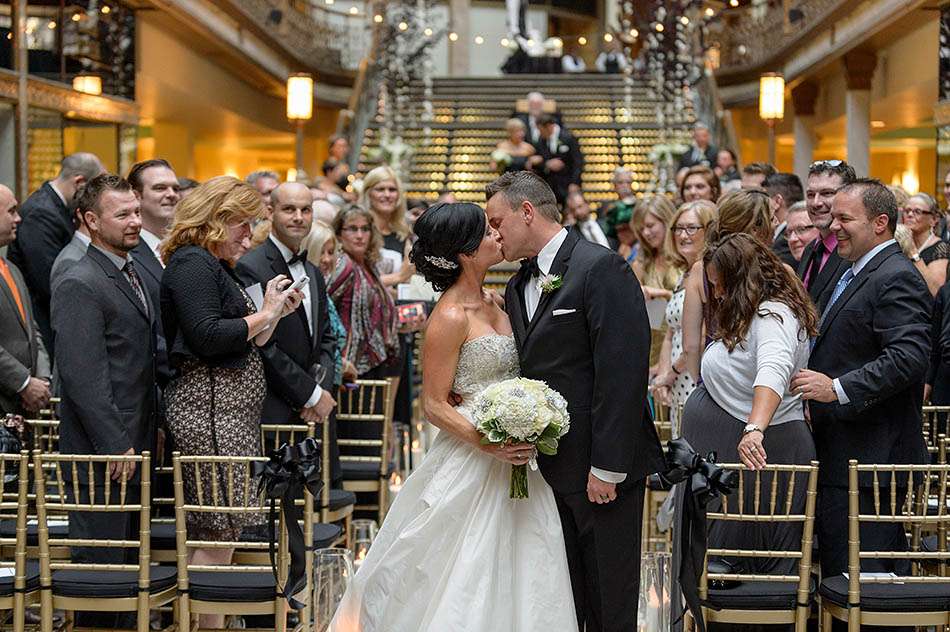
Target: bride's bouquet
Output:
{"points": [[520, 410]]}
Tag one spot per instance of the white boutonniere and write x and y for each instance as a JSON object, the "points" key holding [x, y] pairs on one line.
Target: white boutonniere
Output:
{"points": [[563, 149], [547, 283]]}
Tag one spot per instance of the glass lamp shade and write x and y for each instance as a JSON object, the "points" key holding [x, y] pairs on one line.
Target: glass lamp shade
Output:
{"points": [[299, 97], [771, 96], [89, 84]]}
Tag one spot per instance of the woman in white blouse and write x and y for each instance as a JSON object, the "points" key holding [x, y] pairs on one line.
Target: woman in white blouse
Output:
{"points": [[743, 409]]}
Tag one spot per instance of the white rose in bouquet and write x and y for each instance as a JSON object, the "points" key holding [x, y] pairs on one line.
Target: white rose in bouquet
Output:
{"points": [[520, 410]]}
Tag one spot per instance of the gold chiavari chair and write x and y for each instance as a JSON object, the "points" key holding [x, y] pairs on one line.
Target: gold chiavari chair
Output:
{"points": [[21, 589], [88, 586], [764, 598], [914, 497], [934, 423], [236, 588], [364, 425], [325, 533]]}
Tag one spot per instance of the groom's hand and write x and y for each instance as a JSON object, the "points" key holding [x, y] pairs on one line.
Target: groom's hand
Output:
{"points": [[599, 491]]}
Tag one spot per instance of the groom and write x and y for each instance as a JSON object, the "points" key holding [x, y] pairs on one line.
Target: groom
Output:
{"points": [[581, 325]]}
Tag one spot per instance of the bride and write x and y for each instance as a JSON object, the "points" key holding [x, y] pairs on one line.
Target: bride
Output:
{"points": [[455, 553]]}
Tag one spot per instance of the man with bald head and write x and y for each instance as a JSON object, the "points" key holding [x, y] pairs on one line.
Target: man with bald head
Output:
{"points": [[47, 227], [24, 365], [535, 101], [303, 346]]}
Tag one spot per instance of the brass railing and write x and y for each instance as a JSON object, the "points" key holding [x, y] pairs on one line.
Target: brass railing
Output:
{"points": [[755, 36], [327, 40]]}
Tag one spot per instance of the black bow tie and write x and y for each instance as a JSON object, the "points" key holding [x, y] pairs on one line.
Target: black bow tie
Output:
{"points": [[531, 266], [300, 257]]}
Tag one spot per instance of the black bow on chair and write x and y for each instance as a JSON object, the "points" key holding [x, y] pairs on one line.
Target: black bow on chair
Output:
{"points": [[290, 470], [705, 481]]}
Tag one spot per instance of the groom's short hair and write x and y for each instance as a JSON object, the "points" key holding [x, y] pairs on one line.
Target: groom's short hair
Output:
{"points": [[518, 186]]}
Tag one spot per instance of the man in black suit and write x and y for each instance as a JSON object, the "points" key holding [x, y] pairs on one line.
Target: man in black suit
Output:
{"points": [[784, 189], [24, 365], [531, 117], [821, 267], [156, 187], [701, 152], [46, 228], [559, 159], [864, 382], [304, 343], [588, 337], [102, 318]]}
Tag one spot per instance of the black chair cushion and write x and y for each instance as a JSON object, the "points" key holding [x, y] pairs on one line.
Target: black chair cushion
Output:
{"points": [[106, 584], [231, 587], [325, 534], [340, 498], [163, 536], [889, 597], [32, 579], [8, 530], [757, 596], [362, 471]]}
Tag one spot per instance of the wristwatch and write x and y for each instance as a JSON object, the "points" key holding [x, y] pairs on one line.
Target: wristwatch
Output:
{"points": [[751, 428], [915, 257]]}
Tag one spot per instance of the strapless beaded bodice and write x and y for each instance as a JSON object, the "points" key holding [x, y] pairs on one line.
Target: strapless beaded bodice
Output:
{"points": [[484, 361]]}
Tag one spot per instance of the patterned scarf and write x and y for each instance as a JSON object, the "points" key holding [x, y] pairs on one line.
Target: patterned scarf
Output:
{"points": [[368, 314]]}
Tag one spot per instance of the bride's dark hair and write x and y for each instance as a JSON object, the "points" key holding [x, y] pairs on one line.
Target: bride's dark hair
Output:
{"points": [[444, 232]]}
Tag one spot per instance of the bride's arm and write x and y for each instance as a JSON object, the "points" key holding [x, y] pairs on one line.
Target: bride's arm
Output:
{"points": [[446, 332]]}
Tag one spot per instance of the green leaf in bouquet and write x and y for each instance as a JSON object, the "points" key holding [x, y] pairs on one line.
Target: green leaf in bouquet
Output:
{"points": [[547, 446], [496, 436]]}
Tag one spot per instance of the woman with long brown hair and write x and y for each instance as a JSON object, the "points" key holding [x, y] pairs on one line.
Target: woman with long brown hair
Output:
{"points": [[743, 410], [745, 211]]}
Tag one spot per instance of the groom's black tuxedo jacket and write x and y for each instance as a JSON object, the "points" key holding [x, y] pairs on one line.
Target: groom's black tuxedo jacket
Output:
{"points": [[596, 353]]}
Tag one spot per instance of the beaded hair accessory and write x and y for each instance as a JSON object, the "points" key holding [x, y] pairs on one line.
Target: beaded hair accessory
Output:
{"points": [[441, 262]]}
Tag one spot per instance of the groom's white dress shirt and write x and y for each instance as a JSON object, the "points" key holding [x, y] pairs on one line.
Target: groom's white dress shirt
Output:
{"points": [[532, 296]]}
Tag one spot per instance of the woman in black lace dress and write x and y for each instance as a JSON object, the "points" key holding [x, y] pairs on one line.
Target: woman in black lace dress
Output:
{"points": [[213, 329], [921, 214]]}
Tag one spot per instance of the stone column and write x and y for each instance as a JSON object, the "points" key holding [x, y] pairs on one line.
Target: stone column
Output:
{"points": [[859, 70], [804, 96], [460, 15]]}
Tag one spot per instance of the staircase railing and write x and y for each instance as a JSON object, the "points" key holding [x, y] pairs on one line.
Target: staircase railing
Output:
{"points": [[709, 110], [363, 102]]}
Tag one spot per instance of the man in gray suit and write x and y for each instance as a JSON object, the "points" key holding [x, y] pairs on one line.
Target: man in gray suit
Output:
{"points": [[72, 253], [24, 365], [101, 316]]}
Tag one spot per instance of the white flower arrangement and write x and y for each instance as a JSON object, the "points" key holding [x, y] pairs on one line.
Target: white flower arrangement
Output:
{"points": [[667, 152], [520, 410], [502, 159], [547, 283]]}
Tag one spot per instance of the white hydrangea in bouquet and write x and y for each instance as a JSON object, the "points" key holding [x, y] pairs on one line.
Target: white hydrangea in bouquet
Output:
{"points": [[520, 410], [502, 160]]}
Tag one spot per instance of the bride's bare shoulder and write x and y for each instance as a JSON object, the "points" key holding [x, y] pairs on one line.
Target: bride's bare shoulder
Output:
{"points": [[449, 319]]}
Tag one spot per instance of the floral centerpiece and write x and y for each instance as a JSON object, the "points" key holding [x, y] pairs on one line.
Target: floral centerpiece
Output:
{"points": [[520, 410]]}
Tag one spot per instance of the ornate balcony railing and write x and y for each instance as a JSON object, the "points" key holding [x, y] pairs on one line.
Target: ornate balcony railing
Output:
{"points": [[331, 42], [755, 36]]}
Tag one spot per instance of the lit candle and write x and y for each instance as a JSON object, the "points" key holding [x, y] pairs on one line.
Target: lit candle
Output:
{"points": [[361, 548], [417, 453]]}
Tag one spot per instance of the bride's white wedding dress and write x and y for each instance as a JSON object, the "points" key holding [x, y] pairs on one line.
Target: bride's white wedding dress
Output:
{"points": [[455, 554]]}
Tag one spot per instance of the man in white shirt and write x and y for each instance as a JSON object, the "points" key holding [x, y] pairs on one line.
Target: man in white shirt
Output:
{"points": [[579, 210]]}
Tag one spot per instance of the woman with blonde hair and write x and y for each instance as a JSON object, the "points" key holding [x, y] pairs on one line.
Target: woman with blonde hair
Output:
{"points": [[384, 197], [323, 252], [744, 211], [212, 328], [685, 242], [652, 266], [512, 153]]}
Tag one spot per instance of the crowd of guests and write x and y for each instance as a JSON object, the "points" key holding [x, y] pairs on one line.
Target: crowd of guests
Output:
{"points": [[802, 321], [790, 321], [165, 315]]}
